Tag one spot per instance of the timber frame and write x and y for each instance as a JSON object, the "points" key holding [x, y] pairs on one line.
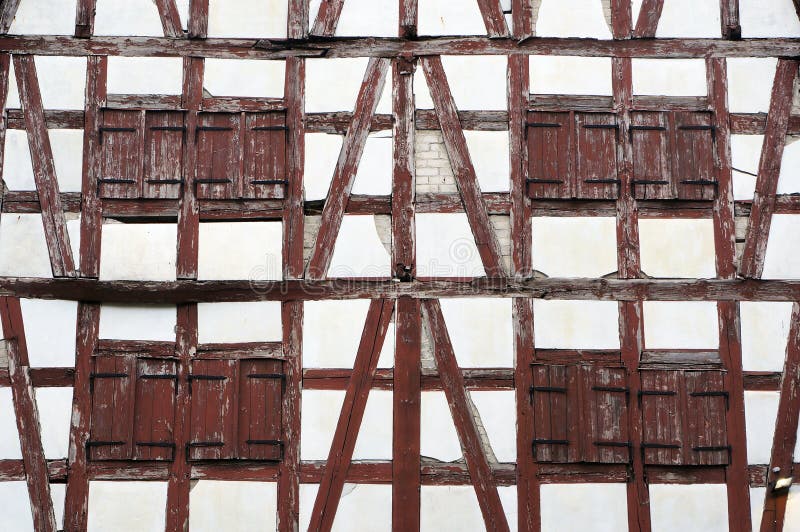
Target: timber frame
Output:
{"points": [[411, 302]]}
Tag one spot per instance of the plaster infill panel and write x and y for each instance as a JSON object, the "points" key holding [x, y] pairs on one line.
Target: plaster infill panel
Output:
{"points": [[689, 507], [750, 83], [669, 77], [450, 17], [677, 247], [761, 411], [127, 17], [776, 18], [44, 17], [745, 156], [675, 22], [137, 322], [244, 77], [55, 413], [240, 250], [574, 246], [480, 331], [50, 331], [782, 259], [231, 505], [765, 331], [363, 18], [446, 247], [255, 321], [141, 252], [477, 82], [362, 507], [596, 507], [554, 74], [67, 149], [359, 251], [333, 85], [131, 506], [62, 82], [134, 75], [572, 18], [680, 325], [576, 324], [248, 18]]}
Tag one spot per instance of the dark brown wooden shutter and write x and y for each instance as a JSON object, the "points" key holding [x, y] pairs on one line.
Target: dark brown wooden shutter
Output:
{"points": [[213, 385], [260, 392], [649, 136], [163, 154], [694, 167], [606, 415], [555, 413], [121, 161], [218, 155], [265, 155], [596, 156], [112, 384], [707, 405], [662, 426], [155, 409], [548, 154]]}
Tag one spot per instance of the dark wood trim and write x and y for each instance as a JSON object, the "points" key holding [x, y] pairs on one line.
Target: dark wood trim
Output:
{"points": [[8, 10], [729, 17], [493, 18], [327, 18], [649, 15], [289, 468], [198, 19], [84, 18], [170, 19], [403, 171]]}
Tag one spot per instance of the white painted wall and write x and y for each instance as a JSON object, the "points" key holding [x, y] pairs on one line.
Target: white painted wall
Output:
{"points": [[374, 441], [757, 496], [23, 250], [563, 324], [596, 507], [244, 77], [133, 506], [789, 179], [480, 330], [792, 517], [253, 321], [750, 83], [446, 247], [374, 175], [50, 331], [9, 436], [765, 330], [55, 413], [137, 322], [62, 82], [16, 506], [67, 148], [363, 18], [477, 82], [233, 505], [761, 411], [669, 77], [142, 252], [745, 154], [677, 247], [690, 508], [333, 84], [43, 17], [358, 251], [498, 415], [240, 250], [560, 74], [362, 507], [134, 75], [680, 325], [321, 153], [675, 22], [574, 246], [572, 18], [127, 17], [450, 17], [782, 260], [247, 18], [773, 18], [438, 436], [488, 151]]}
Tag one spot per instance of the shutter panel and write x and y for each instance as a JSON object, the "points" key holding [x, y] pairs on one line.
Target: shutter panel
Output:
{"points": [[265, 155], [596, 156], [112, 408], [218, 157], [707, 404], [661, 407], [260, 392], [163, 154], [212, 411], [548, 154], [121, 163], [694, 167], [606, 415], [555, 413], [649, 136], [155, 409]]}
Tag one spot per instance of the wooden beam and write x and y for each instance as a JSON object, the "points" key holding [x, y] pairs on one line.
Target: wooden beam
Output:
{"points": [[493, 18], [27, 415], [769, 168], [44, 171], [729, 17], [621, 19], [346, 168], [289, 469], [198, 19], [649, 15], [84, 18], [355, 401], [796, 7], [297, 23], [464, 417], [407, 399], [403, 174], [785, 437], [8, 10], [327, 18], [170, 19], [408, 18], [466, 179], [293, 218]]}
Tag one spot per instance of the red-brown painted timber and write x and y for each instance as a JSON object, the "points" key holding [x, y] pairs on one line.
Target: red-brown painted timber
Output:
{"points": [[408, 18], [84, 18], [327, 18], [729, 17], [8, 10], [493, 18], [649, 15], [403, 175], [170, 19], [198, 19]]}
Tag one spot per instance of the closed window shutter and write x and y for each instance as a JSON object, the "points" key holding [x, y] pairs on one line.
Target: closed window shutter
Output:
{"points": [[555, 413], [165, 134], [218, 155], [548, 137], [596, 153], [155, 409], [121, 161], [693, 166], [606, 415], [112, 384], [265, 156], [213, 384], [260, 409], [707, 405], [649, 136], [662, 420]]}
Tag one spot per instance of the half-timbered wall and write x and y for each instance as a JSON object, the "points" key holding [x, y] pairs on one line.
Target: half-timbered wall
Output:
{"points": [[399, 265]]}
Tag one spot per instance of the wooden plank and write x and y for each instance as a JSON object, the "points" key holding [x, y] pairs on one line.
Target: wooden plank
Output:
{"points": [[408, 18], [466, 179], [493, 18], [346, 168], [781, 461], [729, 17], [84, 18], [289, 469], [649, 15], [44, 171], [293, 204], [297, 24], [27, 415], [355, 401], [464, 418], [8, 10], [170, 19], [406, 398], [769, 168], [198, 19], [621, 19], [403, 174], [327, 18]]}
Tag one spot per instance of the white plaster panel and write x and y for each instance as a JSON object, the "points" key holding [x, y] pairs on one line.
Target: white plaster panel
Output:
{"points": [[574, 246], [438, 436], [252, 321], [50, 331], [358, 251], [333, 85], [127, 17], [62, 82], [450, 17], [757, 496], [489, 153], [681, 325], [17, 515], [446, 247], [775, 18], [364, 18], [183, 12], [232, 505], [321, 409], [677, 247], [480, 330], [563, 324], [55, 413], [791, 520], [374, 440], [760, 411], [562, 74], [247, 18], [44, 17], [321, 154], [132, 506], [9, 436], [135, 75], [67, 148], [595, 507], [362, 507], [17, 165], [765, 330], [508, 498], [58, 493], [244, 77], [670, 77], [23, 250], [137, 322], [477, 82], [782, 260], [572, 18], [690, 508], [498, 411], [449, 508], [750, 83], [240, 250], [789, 179], [374, 175], [143, 252], [745, 154], [674, 22]]}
